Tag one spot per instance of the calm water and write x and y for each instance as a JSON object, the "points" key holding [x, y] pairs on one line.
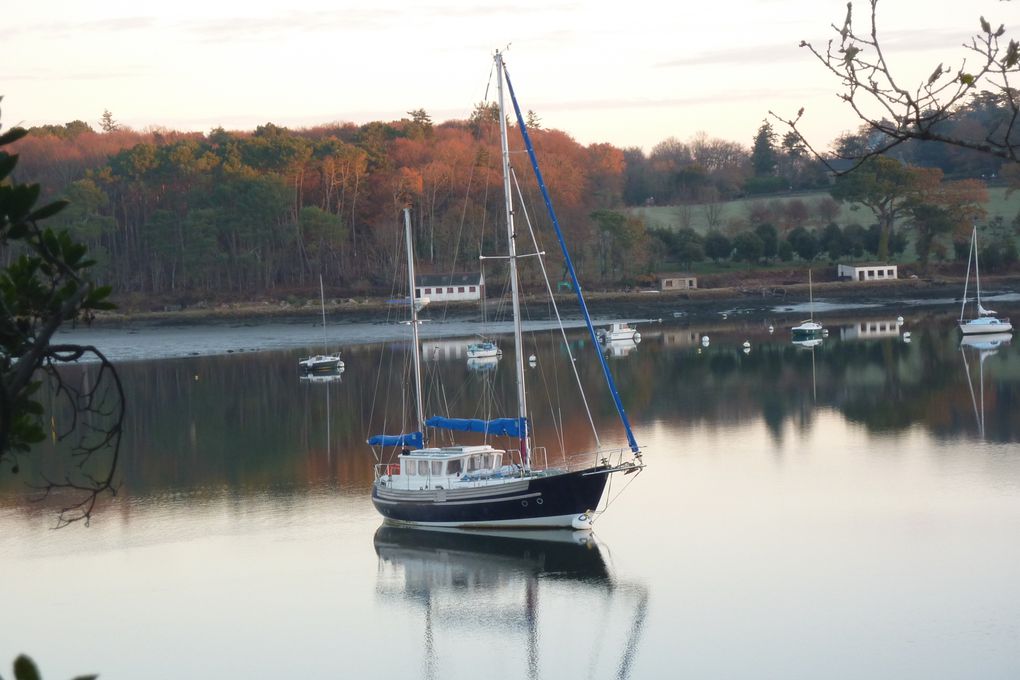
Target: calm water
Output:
{"points": [[844, 512]]}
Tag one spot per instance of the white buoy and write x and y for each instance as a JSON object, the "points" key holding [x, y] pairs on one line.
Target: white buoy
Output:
{"points": [[771, 329], [747, 344], [906, 335], [532, 359], [899, 320], [747, 350], [704, 340]]}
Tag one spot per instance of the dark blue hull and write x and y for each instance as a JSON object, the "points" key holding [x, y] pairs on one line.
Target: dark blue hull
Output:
{"points": [[552, 501]]}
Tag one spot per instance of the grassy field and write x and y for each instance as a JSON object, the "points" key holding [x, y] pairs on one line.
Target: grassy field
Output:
{"points": [[733, 215]]}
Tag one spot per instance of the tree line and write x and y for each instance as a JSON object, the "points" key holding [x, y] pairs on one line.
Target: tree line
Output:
{"points": [[239, 213]]}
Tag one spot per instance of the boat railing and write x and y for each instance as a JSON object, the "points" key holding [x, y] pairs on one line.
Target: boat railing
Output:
{"points": [[386, 469]]}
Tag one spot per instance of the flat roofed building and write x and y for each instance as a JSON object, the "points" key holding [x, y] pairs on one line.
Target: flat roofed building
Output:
{"points": [[670, 282], [449, 287], [866, 272]]}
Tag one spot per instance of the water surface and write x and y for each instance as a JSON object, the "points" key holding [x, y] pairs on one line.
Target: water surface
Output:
{"points": [[845, 511]]}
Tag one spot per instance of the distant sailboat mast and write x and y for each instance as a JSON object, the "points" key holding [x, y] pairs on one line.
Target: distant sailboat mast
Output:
{"points": [[522, 402]]}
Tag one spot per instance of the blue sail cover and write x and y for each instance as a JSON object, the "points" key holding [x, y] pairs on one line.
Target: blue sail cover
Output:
{"points": [[507, 427], [414, 439]]}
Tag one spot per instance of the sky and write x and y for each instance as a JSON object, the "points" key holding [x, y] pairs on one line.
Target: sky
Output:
{"points": [[627, 72]]}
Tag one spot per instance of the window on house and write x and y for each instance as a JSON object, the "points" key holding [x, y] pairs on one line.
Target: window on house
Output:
{"points": [[460, 289], [449, 289], [891, 272], [471, 289], [428, 291]]}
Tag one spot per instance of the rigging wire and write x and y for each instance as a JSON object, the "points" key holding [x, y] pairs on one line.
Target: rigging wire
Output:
{"points": [[556, 310]]}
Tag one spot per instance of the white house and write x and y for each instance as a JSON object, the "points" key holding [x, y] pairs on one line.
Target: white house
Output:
{"points": [[866, 272], [449, 287]]}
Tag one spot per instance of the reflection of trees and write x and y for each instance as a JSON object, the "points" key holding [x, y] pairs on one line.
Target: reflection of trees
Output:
{"points": [[885, 385], [245, 421]]}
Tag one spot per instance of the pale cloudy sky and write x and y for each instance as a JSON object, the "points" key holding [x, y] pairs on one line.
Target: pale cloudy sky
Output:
{"points": [[628, 72]]}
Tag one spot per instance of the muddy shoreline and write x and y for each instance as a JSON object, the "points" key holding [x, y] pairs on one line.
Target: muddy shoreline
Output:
{"points": [[751, 297]]}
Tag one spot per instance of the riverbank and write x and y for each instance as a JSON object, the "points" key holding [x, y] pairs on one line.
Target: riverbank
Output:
{"points": [[751, 293]]}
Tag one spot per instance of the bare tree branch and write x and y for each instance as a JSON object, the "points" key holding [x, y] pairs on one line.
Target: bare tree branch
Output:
{"points": [[858, 62]]}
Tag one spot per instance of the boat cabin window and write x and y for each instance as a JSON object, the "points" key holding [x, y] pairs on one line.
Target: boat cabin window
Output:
{"points": [[454, 467], [437, 468], [423, 468], [409, 467], [481, 461]]}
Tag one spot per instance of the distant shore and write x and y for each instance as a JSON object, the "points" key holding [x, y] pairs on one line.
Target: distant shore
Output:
{"points": [[753, 293]]}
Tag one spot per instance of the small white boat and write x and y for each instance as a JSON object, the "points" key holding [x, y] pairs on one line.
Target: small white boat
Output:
{"points": [[484, 350], [617, 332], [321, 363], [986, 320]]}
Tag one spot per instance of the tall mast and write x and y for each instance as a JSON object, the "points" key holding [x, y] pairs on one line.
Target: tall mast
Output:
{"points": [[522, 402], [419, 408], [966, 280], [977, 274], [811, 296], [322, 305]]}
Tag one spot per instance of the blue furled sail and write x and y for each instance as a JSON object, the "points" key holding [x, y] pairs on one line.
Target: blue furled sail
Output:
{"points": [[570, 265], [413, 439], [506, 427]]}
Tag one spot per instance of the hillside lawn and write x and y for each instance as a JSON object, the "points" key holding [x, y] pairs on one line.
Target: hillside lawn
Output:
{"points": [[734, 218]]}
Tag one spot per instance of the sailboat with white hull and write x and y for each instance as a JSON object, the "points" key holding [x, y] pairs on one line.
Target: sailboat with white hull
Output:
{"points": [[809, 329], [481, 486], [986, 321]]}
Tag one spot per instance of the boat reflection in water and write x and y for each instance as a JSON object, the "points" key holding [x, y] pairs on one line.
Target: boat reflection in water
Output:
{"points": [[620, 348], [516, 594], [985, 345], [482, 364]]}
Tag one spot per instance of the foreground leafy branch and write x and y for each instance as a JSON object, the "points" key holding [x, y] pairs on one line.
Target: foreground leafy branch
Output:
{"points": [[44, 285], [923, 111]]}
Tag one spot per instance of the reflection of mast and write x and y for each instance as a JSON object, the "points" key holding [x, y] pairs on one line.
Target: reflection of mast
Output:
{"points": [[477, 569], [987, 346], [814, 384]]}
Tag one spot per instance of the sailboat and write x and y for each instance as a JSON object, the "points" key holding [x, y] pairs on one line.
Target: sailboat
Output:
{"points": [[482, 486], [809, 328], [985, 321], [325, 362]]}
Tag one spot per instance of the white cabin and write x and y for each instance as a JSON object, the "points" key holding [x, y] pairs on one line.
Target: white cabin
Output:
{"points": [[449, 287], [447, 467], [866, 272]]}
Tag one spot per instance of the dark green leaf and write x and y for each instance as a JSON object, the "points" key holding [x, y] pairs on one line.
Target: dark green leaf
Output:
{"points": [[12, 135], [7, 163], [49, 210], [24, 669]]}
